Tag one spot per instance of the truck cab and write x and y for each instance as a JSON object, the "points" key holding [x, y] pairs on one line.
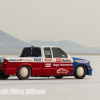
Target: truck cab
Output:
{"points": [[44, 61]]}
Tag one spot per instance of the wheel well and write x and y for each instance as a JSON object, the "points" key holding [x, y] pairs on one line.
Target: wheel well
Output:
{"points": [[30, 70], [86, 69], [28, 66], [83, 66]]}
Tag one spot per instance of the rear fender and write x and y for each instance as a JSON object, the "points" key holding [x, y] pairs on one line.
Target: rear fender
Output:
{"points": [[25, 64]]}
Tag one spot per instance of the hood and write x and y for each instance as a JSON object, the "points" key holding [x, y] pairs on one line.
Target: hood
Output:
{"points": [[80, 60], [74, 58]]}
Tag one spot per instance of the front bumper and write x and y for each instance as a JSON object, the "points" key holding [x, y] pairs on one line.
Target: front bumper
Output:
{"points": [[89, 71]]}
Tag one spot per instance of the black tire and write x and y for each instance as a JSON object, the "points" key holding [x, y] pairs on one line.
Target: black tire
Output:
{"points": [[58, 77], [24, 72], [3, 76], [82, 74]]}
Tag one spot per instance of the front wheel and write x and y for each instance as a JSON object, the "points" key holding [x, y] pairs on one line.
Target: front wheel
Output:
{"points": [[80, 72], [23, 73], [3, 76]]}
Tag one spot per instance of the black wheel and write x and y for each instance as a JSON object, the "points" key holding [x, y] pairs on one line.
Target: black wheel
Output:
{"points": [[80, 72], [3, 76], [23, 72], [58, 77]]}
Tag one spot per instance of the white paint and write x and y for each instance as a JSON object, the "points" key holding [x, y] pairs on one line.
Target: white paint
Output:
{"points": [[80, 71], [62, 70], [24, 72], [48, 65]]}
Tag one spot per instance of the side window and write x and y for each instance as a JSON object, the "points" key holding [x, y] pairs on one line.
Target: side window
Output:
{"points": [[58, 53], [36, 52], [26, 52], [47, 52]]}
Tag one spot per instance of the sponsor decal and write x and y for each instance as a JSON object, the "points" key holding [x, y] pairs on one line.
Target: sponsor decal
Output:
{"points": [[66, 60], [81, 61], [47, 53], [26, 60], [48, 65], [21, 60], [62, 70], [62, 65], [37, 59], [58, 60], [48, 59], [63, 55], [14, 59], [56, 65]]}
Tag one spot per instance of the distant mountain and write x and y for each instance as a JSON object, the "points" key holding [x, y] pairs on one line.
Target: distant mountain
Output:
{"points": [[68, 46], [10, 44]]}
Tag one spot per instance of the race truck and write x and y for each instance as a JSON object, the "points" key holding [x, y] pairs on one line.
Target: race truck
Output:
{"points": [[44, 61]]}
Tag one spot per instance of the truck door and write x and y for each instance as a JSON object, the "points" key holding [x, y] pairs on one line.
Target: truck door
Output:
{"points": [[62, 64], [47, 61]]}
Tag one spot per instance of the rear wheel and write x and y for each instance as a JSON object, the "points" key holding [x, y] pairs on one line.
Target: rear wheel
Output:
{"points": [[23, 73], [58, 77], [80, 72], [3, 76]]}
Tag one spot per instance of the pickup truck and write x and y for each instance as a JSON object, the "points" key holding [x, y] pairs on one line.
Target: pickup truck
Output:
{"points": [[44, 61]]}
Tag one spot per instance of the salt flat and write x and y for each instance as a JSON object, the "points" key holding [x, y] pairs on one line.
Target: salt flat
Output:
{"points": [[67, 88]]}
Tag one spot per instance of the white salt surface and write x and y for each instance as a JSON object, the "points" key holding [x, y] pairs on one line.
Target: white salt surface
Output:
{"points": [[67, 88]]}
